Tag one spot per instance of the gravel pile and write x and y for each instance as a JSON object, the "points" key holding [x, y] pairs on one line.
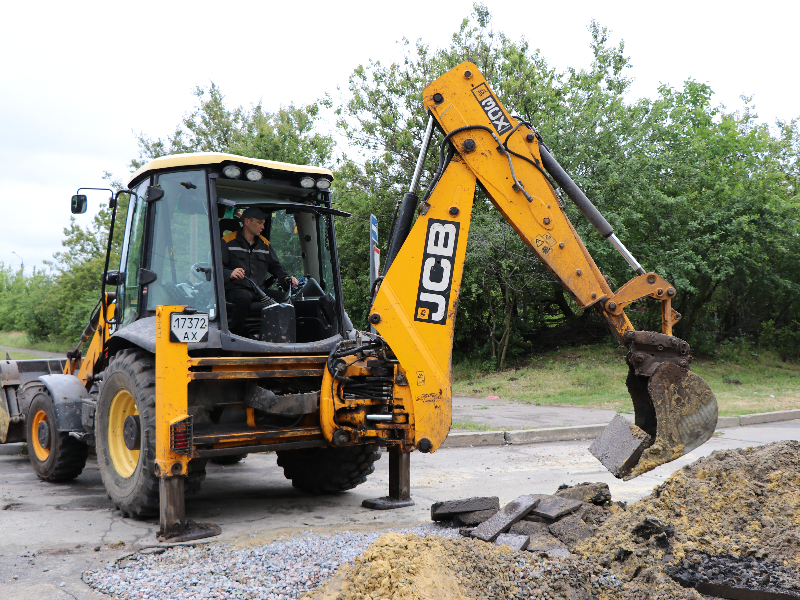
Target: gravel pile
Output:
{"points": [[278, 571]]}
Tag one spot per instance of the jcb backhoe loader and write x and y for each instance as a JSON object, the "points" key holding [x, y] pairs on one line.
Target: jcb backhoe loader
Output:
{"points": [[165, 386]]}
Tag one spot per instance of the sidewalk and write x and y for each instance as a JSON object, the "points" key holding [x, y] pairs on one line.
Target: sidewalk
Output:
{"points": [[517, 423]]}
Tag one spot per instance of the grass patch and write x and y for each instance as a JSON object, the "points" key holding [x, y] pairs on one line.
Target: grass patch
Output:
{"points": [[594, 376], [20, 355], [469, 425], [19, 339]]}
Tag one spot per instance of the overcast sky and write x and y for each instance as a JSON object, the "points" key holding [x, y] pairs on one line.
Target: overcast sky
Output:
{"points": [[79, 78]]}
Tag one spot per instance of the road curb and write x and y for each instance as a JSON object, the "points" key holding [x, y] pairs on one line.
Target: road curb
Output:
{"points": [[770, 417], [554, 434], [11, 449], [470, 439], [590, 432], [723, 422]]}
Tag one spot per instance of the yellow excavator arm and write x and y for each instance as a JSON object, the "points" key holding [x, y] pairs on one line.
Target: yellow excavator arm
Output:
{"points": [[415, 306]]}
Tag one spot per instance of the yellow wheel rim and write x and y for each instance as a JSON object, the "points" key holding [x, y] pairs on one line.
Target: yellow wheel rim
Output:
{"points": [[40, 451], [122, 406]]}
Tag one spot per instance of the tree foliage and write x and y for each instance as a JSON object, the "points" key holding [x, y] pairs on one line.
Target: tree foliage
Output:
{"points": [[703, 196]]}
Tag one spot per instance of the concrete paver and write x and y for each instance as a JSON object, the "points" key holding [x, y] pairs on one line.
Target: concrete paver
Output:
{"points": [[505, 518], [444, 510]]}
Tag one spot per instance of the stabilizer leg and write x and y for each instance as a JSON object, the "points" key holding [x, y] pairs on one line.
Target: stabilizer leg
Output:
{"points": [[399, 483], [172, 503], [172, 514]]}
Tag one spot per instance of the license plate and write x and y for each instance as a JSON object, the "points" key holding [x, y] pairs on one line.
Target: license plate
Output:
{"points": [[188, 328]]}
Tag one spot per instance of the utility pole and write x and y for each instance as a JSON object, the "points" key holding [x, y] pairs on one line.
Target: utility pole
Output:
{"points": [[20, 259]]}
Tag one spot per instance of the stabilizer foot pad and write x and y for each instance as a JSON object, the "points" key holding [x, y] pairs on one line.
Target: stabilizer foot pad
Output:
{"points": [[387, 503], [188, 532]]}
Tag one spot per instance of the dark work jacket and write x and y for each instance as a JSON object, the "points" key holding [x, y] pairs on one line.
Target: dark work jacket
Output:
{"points": [[256, 261]]}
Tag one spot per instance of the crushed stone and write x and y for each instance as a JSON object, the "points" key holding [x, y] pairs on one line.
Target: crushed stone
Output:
{"points": [[282, 570]]}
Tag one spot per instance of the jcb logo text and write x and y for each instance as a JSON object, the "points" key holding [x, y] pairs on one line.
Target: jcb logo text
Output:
{"points": [[433, 295]]}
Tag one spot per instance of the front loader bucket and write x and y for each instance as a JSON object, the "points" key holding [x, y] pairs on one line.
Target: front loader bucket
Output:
{"points": [[675, 412]]}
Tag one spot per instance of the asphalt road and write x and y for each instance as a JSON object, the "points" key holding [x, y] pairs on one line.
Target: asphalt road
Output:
{"points": [[49, 532]]}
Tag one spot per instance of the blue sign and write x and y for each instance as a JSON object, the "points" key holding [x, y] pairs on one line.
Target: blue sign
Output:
{"points": [[374, 229]]}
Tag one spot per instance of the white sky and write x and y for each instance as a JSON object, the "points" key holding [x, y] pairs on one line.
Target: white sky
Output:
{"points": [[78, 78]]}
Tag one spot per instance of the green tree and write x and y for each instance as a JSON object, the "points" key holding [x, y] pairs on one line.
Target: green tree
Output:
{"points": [[287, 135]]}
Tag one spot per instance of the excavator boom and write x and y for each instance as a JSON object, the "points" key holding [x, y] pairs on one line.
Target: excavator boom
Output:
{"points": [[415, 307]]}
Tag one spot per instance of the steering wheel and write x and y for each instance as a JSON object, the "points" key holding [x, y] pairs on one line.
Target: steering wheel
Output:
{"points": [[201, 267], [301, 283]]}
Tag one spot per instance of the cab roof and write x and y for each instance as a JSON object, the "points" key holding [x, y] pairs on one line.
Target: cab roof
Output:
{"points": [[211, 158]]}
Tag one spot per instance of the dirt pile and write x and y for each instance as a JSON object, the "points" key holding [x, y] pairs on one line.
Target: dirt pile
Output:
{"points": [[738, 502], [408, 567]]}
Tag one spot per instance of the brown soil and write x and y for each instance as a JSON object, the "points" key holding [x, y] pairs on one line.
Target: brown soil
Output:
{"points": [[735, 502]]}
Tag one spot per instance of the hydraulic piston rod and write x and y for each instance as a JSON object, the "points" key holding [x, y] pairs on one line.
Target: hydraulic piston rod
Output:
{"points": [[408, 205], [586, 207]]}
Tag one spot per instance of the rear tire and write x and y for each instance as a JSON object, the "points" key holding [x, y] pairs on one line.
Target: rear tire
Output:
{"points": [[231, 459], [328, 470], [128, 388], [55, 455]]}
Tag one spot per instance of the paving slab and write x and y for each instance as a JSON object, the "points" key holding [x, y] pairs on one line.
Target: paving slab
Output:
{"points": [[544, 541], [570, 530], [527, 528], [471, 519], [537, 519], [516, 542], [620, 446], [553, 507], [590, 493], [505, 518], [441, 511]]}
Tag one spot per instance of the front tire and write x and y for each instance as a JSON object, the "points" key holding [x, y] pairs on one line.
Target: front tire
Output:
{"points": [[128, 389], [55, 455], [328, 470]]}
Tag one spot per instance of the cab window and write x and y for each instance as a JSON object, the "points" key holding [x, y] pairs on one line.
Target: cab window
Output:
{"points": [[180, 252]]}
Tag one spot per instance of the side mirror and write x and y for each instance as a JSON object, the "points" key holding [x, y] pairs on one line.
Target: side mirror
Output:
{"points": [[79, 204], [113, 278]]}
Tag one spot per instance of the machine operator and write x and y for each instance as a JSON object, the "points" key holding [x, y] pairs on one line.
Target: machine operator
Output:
{"points": [[246, 253]]}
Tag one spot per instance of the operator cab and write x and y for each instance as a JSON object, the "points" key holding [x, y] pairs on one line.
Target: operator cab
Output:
{"points": [[181, 208]]}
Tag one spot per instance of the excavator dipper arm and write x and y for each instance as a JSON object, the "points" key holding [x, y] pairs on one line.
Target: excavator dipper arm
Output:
{"points": [[414, 309]]}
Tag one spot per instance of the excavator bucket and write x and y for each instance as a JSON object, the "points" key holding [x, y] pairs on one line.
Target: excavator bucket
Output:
{"points": [[675, 409]]}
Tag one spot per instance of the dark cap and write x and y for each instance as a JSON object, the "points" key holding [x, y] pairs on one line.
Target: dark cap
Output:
{"points": [[254, 212]]}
